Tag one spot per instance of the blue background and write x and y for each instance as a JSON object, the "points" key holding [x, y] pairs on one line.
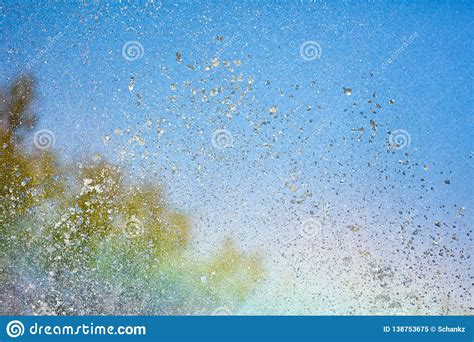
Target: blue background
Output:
{"points": [[292, 329]]}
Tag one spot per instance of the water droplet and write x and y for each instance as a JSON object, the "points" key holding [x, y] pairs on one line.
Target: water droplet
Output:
{"points": [[273, 109], [353, 228], [215, 62], [139, 139], [131, 85]]}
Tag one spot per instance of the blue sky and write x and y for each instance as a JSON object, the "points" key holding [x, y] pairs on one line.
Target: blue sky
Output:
{"points": [[283, 167]]}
